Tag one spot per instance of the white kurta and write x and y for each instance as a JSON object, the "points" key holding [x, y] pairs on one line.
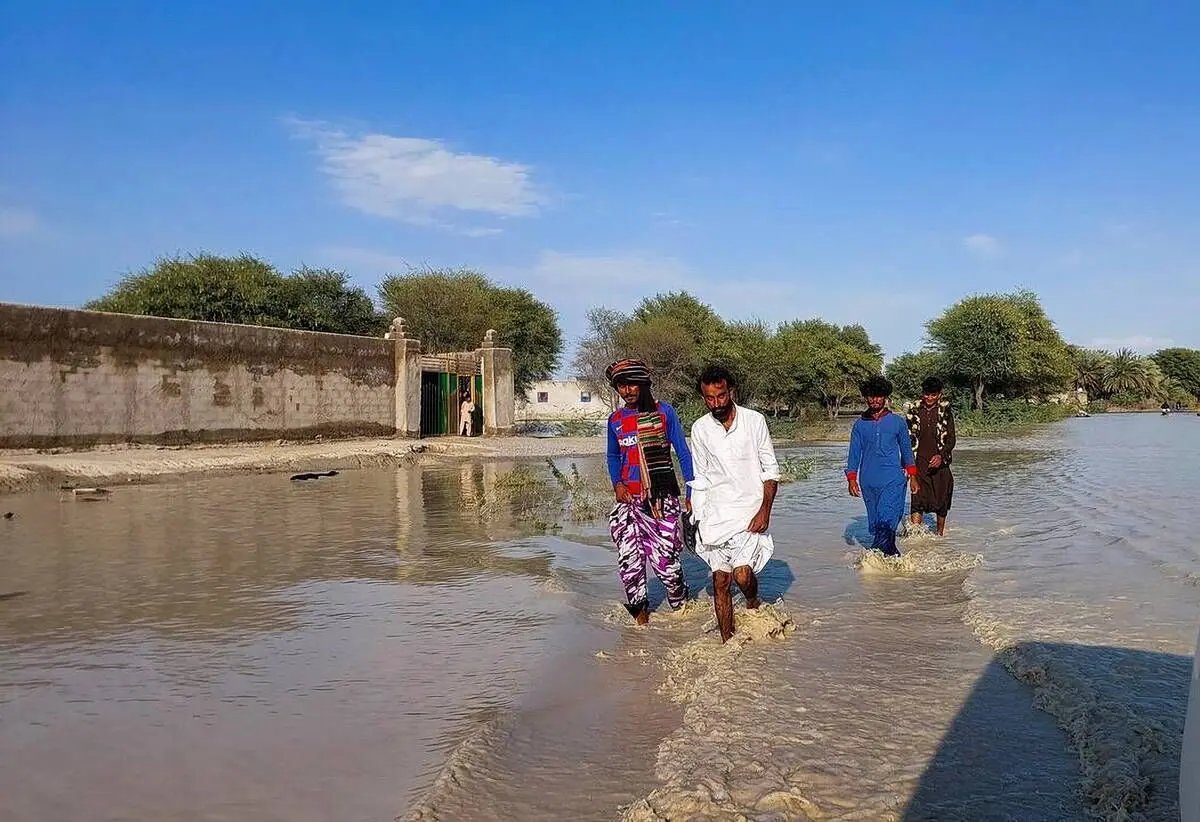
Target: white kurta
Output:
{"points": [[731, 467]]}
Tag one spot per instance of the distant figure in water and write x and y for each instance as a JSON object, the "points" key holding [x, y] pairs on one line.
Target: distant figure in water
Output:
{"points": [[881, 465], [1166, 409], [737, 477], [645, 522], [931, 431], [465, 412]]}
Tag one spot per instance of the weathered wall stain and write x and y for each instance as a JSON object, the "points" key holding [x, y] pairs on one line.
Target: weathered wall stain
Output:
{"points": [[169, 387], [81, 377], [222, 393]]}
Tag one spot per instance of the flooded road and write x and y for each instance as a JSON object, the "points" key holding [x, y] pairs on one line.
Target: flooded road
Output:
{"points": [[385, 643]]}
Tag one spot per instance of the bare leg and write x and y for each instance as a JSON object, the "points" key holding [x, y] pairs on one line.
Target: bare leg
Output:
{"points": [[743, 575], [643, 616], [941, 525], [723, 602]]}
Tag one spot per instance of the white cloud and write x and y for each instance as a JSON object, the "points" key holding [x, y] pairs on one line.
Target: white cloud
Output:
{"points": [[417, 180], [1135, 342], [984, 245], [598, 276], [15, 222]]}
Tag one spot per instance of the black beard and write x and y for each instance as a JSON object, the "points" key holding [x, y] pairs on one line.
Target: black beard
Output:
{"points": [[723, 412]]}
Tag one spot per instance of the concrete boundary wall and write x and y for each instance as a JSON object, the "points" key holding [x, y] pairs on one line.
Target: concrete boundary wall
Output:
{"points": [[75, 378]]}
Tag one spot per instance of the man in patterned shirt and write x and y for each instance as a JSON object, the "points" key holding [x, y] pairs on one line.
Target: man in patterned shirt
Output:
{"points": [[645, 522]]}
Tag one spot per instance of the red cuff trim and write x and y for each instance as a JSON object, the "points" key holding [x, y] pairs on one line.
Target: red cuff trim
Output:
{"points": [[852, 475], [911, 470]]}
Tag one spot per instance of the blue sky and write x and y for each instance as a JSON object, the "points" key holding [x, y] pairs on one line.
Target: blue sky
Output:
{"points": [[865, 162]]}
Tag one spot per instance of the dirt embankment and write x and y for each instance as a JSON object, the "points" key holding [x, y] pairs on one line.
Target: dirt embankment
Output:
{"points": [[26, 470]]}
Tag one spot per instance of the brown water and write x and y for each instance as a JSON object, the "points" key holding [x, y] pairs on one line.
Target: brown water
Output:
{"points": [[369, 646]]}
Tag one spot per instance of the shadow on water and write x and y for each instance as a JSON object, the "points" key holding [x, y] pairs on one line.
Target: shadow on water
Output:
{"points": [[987, 766], [774, 580], [858, 532]]}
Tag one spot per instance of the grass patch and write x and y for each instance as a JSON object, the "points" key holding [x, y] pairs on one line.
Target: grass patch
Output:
{"points": [[561, 428], [544, 498], [795, 469], [800, 429], [1001, 417]]}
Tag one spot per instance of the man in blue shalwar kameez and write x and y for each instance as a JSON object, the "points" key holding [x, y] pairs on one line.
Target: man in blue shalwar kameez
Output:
{"points": [[881, 468]]}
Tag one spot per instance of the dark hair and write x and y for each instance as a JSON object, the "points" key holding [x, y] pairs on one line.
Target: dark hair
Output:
{"points": [[715, 375], [646, 401], [932, 385], [877, 386]]}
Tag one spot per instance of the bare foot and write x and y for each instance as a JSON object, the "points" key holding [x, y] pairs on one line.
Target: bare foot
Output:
{"points": [[643, 616], [752, 604]]}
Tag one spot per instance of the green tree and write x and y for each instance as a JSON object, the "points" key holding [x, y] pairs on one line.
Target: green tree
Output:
{"points": [[824, 363], [1048, 367], [243, 289], [668, 349], [702, 324], [1127, 374], [909, 370], [530, 328], [599, 348], [981, 340], [809, 361], [857, 337], [323, 300], [1182, 365], [1091, 369], [451, 310], [1174, 392], [745, 349]]}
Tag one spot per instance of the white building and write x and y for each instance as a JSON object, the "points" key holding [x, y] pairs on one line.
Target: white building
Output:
{"points": [[563, 400]]}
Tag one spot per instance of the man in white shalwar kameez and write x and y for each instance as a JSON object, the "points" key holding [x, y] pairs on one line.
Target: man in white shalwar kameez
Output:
{"points": [[736, 478]]}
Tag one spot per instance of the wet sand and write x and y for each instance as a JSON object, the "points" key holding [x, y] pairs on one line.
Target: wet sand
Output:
{"points": [[27, 469]]}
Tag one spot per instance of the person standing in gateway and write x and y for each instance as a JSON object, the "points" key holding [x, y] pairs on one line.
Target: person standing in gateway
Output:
{"points": [[465, 412], [931, 429], [737, 477]]}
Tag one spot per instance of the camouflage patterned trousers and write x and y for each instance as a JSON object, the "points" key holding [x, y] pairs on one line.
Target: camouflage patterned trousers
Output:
{"points": [[641, 539]]}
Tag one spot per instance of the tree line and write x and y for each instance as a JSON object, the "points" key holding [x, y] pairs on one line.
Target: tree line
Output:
{"points": [[1004, 345], [781, 369], [984, 347], [448, 310]]}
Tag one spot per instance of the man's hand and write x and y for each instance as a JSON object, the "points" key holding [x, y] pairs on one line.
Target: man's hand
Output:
{"points": [[855, 491], [622, 493], [761, 521], [913, 485], [935, 461]]}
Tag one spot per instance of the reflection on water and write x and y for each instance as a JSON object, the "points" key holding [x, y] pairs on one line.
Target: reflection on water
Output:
{"points": [[370, 645], [256, 648]]}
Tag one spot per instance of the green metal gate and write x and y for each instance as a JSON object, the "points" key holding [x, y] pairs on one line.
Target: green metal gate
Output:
{"points": [[440, 393]]}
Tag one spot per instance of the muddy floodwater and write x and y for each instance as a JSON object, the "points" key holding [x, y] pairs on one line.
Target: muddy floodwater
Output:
{"points": [[411, 643]]}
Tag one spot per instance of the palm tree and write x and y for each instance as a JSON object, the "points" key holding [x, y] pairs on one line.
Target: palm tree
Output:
{"points": [[1091, 368], [1154, 385], [1127, 372], [1173, 391]]}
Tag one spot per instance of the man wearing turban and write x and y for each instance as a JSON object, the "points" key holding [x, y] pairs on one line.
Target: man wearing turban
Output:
{"points": [[645, 522]]}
